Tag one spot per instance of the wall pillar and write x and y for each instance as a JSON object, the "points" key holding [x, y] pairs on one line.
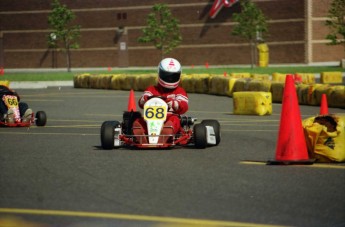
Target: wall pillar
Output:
{"points": [[2, 55], [122, 47], [308, 31]]}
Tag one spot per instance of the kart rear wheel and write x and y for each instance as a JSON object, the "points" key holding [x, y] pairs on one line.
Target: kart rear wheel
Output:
{"points": [[200, 140], [41, 118], [216, 127], [108, 133]]}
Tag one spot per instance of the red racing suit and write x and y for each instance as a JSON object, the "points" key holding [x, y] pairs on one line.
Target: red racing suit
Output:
{"points": [[177, 100]]}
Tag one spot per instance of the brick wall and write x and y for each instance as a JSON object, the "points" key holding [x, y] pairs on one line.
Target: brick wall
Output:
{"points": [[24, 30]]}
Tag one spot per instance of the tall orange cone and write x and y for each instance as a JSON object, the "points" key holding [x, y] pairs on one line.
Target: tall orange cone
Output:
{"points": [[291, 146], [131, 102], [324, 105]]}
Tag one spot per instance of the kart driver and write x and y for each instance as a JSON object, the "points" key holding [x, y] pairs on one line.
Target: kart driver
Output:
{"points": [[169, 73], [8, 114]]}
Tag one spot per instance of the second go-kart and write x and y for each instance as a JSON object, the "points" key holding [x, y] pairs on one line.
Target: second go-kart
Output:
{"points": [[116, 134], [11, 101]]}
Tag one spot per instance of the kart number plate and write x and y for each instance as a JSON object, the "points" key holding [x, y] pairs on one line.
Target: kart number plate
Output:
{"points": [[155, 113], [10, 101]]}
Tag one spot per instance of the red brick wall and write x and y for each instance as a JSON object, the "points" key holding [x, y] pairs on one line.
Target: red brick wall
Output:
{"points": [[24, 26]]}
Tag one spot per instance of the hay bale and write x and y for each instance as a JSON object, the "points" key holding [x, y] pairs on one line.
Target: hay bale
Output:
{"points": [[306, 78], [188, 83], [240, 75], [201, 83], [259, 85], [219, 85], [336, 96], [258, 76], [144, 81], [277, 89]]}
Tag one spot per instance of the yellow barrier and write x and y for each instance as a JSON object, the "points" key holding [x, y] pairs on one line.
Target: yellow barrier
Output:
{"points": [[263, 54], [307, 78], [256, 103], [5, 82], [278, 77], [331, 77], [308, 93], [325, 137]]}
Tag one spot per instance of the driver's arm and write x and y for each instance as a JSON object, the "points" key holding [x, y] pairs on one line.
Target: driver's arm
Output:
{"points": [[144, 98]]}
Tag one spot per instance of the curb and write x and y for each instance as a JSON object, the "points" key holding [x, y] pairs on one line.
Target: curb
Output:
{"points": [[39, 84]]}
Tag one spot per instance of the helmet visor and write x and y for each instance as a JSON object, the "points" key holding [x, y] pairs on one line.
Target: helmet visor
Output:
{"points": [[170, 77]]}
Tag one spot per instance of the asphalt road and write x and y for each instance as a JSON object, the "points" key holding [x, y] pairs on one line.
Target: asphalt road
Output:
{"points": [[58, 175]]}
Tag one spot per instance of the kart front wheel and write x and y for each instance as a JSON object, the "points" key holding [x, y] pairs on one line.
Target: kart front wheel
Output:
{"points": [[41, 118], [216, 127], [107, 134], [200, 134]]}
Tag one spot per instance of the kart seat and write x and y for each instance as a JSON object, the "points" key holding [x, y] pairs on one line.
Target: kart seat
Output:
{"points": [[128, 118]]}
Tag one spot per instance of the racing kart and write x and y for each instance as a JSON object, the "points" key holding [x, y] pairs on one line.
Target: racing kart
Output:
{"points": [[11, 101], [116, 134]]}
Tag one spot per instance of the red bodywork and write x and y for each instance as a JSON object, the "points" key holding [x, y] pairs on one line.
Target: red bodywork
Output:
{"points": [[19, 123], [182, 138]]}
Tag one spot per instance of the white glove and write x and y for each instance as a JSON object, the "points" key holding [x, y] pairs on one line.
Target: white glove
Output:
{"points": [[173, 105], [143, 99]]}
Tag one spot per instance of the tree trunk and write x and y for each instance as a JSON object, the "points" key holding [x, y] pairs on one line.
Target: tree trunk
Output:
{"points": [[68, 59], [162, 53], [253, 53]]}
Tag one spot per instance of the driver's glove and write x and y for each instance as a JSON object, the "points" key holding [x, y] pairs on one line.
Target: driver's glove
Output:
{"points": [[143, 99], [173, 105]]}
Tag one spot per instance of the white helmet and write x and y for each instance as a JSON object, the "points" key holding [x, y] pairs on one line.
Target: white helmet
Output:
{"points": [[169, 71]]}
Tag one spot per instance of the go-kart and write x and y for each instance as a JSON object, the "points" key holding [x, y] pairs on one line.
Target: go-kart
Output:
{"points": [[11, 101], [116, 134]]}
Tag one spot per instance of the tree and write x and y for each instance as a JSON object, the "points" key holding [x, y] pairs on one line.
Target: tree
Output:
{"points": [[336, 23], [162, 30], [64, 33], [250, 22]]}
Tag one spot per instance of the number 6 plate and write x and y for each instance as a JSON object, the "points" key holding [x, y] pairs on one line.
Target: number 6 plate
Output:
{"points": [[155, 109], [155, 114]]}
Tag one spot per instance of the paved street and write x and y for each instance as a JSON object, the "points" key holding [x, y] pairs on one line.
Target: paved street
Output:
{"points": [[58, 175]]}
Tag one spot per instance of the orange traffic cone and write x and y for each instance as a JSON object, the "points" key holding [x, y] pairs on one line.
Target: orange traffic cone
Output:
{"points": [[324, 105], [2, 71], [291, 147], [131, 102]]}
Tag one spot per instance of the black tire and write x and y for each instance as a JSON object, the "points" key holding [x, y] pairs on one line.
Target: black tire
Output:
{"points": [[199, 132], [41, 118], [216, 126], [107, 134]]}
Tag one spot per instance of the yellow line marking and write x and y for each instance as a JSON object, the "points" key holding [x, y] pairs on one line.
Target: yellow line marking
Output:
{"points": [[246, 120], [72, 126], [43, 100], [250, 125], [248, 130], [112, 115], [59, 120], [179, 221], [315, 165]]}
